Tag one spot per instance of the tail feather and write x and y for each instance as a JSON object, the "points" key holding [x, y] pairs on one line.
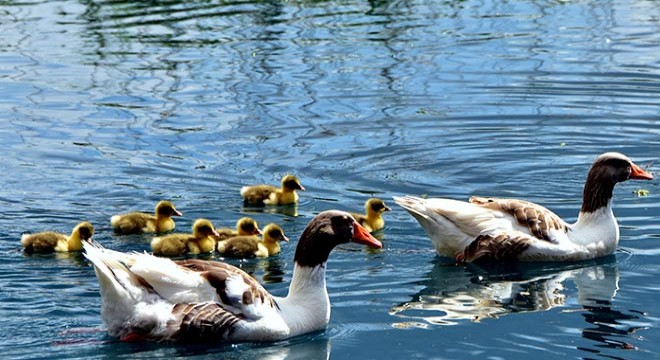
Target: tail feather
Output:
{"points": [[120, 288]]}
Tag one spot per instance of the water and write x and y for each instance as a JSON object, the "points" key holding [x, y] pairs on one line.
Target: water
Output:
{"points": [[110, 106]]}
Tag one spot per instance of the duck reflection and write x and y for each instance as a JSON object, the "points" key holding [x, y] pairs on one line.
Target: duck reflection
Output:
{"points": [[454, 293]]}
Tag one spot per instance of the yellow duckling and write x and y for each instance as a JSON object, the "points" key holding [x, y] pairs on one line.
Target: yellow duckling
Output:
{"points": [[373, 220], [244, 226], [202, 240], [252, 246], [50, 241], [139, 222], [271, 195]]}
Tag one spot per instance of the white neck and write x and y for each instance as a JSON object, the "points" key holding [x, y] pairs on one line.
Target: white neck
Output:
{"points": [[598, 231], [307, 306]]}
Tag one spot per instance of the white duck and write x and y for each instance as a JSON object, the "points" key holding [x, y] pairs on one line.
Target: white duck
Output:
{"points": [[146, 297], [508, 229]]}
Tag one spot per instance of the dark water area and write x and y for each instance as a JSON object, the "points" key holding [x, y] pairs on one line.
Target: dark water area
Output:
{"points": [[110, 106]]}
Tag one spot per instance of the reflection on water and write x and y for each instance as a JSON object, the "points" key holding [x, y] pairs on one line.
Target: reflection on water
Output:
{"points": [[286, 210], [456, 293], [109, 105]]}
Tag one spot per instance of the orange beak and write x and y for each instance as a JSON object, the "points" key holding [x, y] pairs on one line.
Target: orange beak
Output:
{"points": [[638, 173], [362, 236]]}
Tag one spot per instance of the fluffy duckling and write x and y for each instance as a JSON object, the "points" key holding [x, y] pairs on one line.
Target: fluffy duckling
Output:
{"points": [[50, 241], [271, 195], [202, 240], [373, 220], [244, 226], [252, 246], [139, 222]]}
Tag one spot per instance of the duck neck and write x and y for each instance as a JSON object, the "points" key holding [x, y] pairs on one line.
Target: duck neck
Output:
{"points": [[272, 245], [162, 223], [74, 243], [307, 306], [597, 230], [597, 192], [206, 244]]}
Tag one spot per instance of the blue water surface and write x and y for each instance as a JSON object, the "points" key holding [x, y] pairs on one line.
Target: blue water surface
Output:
{"points": [[109, 106]]}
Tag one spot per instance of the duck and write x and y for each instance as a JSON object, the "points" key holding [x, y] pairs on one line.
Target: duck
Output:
{"points": [[251, 246], [373, 219], [51, 241], [497, 229], [139, 222], [202, 240], [245, 226], [270, 195], [144, 297]]}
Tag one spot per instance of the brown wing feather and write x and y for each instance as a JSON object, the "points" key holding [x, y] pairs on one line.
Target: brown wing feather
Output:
{"points": [[539, 220], [202, 322], [217, 273], [503, 247]]}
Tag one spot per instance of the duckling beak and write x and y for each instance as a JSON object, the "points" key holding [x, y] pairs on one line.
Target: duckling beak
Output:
{"points": [[215, 234], [387, 208], [257, 232], [637, 173], [301, 188], [284, 238], [362, 236], [177, 213]]}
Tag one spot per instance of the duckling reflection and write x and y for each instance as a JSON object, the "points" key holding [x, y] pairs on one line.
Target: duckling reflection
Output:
{"points": [[452, 293], [290, 210]]}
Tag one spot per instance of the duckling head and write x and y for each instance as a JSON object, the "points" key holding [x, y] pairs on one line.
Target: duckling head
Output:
{"points": [[291, 182], [203, 228], [376, 205], [85, 230], [248, 226], [275, 233], [166, 209]]}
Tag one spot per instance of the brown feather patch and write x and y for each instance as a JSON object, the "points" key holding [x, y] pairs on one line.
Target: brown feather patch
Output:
{"points": [[202, 322], [539, 220], [503, 247], [217, 274]]}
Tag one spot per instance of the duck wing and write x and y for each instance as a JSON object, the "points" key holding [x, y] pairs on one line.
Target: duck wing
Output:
{"points": [[541, 223]]}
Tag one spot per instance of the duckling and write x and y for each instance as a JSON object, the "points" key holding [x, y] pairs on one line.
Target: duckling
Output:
{"points": [[373, 220], [202, 240], [244, 226], [271, 195], [50, 241], [139, 222], [252, 246]]}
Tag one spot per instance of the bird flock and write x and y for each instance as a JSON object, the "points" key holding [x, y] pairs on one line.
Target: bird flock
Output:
{"points": [[147, 296], [247, 240]]}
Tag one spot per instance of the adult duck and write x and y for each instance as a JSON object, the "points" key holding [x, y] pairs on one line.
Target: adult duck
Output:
{"points": [[270, 195], [509, 229], [139, 222], [147, 297]]}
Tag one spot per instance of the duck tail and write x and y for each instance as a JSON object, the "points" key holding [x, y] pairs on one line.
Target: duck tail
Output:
{"points": [[120, 288]]}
